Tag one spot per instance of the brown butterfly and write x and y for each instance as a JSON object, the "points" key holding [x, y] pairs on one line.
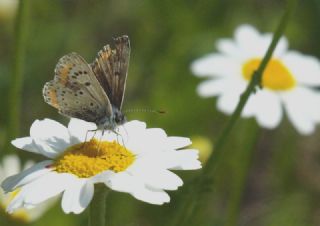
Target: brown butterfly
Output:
{"points": [[92, 92]]}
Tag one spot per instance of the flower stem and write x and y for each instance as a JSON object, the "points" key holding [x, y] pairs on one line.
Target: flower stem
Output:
{"points": [[244, 160], [97, 208], [195, 192], [16, 82]]}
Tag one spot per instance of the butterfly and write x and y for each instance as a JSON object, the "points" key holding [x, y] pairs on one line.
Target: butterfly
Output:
{"points": [[92, 92]]}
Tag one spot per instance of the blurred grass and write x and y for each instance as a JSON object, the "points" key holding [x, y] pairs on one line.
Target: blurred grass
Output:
{"points": [[17, 72], [165, 37]]}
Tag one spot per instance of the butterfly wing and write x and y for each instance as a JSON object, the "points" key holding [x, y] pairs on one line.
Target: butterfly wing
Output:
{"points": [[76, 92], [73, 103], [111, 69]]}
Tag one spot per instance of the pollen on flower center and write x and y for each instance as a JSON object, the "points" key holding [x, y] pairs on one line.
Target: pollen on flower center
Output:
{"points": [[276, 76], [93, 157]]}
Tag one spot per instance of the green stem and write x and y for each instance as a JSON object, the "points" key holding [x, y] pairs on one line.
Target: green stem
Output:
{"points": [[191, 200], [244, 162], [97, 208], [16, 82]]}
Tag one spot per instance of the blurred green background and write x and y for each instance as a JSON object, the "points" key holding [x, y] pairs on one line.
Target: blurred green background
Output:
{"points": [[283, 183]]}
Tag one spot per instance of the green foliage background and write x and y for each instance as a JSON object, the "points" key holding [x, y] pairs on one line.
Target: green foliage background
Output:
{"points": [[283, 182]]}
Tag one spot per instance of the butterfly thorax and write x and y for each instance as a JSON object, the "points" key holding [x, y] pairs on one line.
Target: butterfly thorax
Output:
{"points": [[110, 123]]}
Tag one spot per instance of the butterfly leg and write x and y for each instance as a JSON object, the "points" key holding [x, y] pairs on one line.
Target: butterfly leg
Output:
{"points": [[126, 132], [85, 139], [94, 130], [102, 133], [118, 134]]}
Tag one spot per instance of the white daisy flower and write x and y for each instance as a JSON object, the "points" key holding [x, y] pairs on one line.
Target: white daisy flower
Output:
{"points": [[8, 8], [137, 160], [289, 80], [11, 165]]}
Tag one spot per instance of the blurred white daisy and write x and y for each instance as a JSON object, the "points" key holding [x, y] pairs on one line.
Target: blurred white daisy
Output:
{"points": [[8, 8], [11, 165], [289, 80], [137, 160]]}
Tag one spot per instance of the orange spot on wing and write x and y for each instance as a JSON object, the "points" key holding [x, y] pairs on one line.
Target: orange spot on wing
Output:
{"points": [[53, 98], [64, 73]]}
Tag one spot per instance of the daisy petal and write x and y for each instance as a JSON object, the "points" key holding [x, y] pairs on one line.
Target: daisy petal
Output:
{"points": [[77, 197], [228, 101], [151, 140], [134, 126], [215, 65], [302, 107], [221, 86], [178, 142], [27, 144], [78, 129], [26, 176], [211, 87], [124, 182], [306, 69], [38, 191], [248, 40], [86, 195], [46, 187], [102, 177], [186, 159], [152, 196], [252, 44], [158, 179], [246, 34], [266, 107], [50, 136], [228, 47]]}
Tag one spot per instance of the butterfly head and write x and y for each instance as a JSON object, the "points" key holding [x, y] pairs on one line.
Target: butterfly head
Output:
{"points": [[110, 123], [119, 117]]}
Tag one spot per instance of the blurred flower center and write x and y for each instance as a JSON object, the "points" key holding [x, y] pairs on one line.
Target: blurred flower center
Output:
{"points": [[93, 157], [276, 75], [204, 145], [20, 215]]}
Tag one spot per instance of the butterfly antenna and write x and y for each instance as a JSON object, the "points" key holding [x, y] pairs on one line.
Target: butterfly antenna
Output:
{"points": [[145, 110]]}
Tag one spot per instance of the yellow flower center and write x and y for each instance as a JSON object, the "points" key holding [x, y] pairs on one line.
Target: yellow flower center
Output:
{"points": [[93, 157], [276, 75], [21, 214]]}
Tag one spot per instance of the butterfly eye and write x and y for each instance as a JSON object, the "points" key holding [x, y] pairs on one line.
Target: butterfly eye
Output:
{"points": [[117, 119]]}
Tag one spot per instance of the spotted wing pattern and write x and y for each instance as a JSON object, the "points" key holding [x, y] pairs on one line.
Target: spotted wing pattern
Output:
{"points": [[111, 69], [76, 92]]}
